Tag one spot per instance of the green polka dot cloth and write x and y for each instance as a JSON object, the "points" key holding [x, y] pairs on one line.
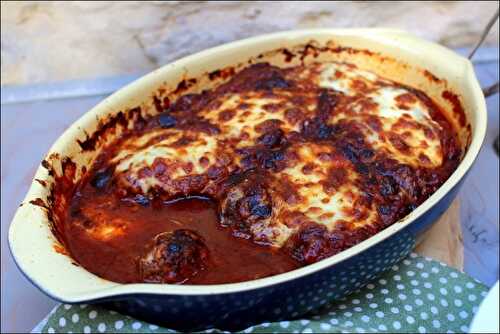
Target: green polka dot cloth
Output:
{"points": [[419, 295]]}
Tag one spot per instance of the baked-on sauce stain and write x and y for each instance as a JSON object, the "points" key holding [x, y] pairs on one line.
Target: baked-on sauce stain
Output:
{"points": [[272, 170]]}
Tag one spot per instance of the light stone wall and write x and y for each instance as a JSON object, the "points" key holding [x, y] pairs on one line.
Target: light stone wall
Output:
{"points": [[49, 41]]}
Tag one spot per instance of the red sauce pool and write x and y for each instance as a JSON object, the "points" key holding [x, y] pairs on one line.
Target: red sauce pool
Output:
{"points": [[230, 259]]}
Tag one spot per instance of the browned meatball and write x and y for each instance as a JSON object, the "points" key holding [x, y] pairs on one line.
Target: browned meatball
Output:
{"points": [[174, 257], [246, 204]]}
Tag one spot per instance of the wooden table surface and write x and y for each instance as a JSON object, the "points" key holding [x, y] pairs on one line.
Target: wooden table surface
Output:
{"points": [[443, 241]]}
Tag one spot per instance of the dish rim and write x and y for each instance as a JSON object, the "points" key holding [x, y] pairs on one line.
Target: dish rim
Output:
{"points": [[116, 289]]}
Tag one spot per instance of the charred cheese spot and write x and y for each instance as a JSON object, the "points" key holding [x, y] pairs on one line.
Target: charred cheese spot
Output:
{"points": [[392, 118], [249, 110], [173, 158]]}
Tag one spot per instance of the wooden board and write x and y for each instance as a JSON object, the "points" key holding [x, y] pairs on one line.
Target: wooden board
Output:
{"points": [[443, 241]]}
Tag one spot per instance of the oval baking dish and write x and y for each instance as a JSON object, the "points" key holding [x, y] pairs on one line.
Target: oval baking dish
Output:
{"points": [[443, 75]]}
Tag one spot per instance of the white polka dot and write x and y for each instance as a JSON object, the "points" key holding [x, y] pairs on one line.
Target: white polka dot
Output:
{"points": [[382, 281], [86, 329], [427, 285], [434, 310], [397, 278], [388, 300], [410, 273], [424, 275], [453, 274], [396, 325], [304, 322], [474, 309], [67, 307], [324, 326], [360, 330], [348, 324], [414, 282], [444, 303], [358, 309], [436, 323], [379, 314], [435, 270], [382, 327], [443, 291], [450, 317], [394, 310], [402, 296], [248, 330], [136, 325], [384, 291], [51, 330], [400, 287], [420, 265], [472, 298], [395, 268], [419, 302], [369, 295], [334, 321], [92, 314], [443, 280], [154, 327], [457, 289], [464, 329], [408, 308], [284, 324], [307, 330], [458, 302], [430, 296], [424, 315], [416, 291], [119, 324], [365, 318], [355, 301], [410, 319], [463, 314], [342, 306], [347, 314], [422, 329], [62, 322], [406, 262], [75, 317], [373, 305], [470, 285], [101, 327]]}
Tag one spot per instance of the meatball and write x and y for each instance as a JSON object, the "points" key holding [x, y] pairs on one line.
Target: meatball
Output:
{"points": [[311, 243], [247, 206], [174, 257]]}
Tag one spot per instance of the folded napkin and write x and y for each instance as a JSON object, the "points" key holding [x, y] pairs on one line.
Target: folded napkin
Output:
{"points": [[418, 295]]}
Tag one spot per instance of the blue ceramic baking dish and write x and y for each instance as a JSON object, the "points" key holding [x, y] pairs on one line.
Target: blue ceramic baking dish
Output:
{"points": [[393, 54]]}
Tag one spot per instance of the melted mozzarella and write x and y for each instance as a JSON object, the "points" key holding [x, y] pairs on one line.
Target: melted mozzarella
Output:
{"points": [[408, 123], [393, 120]]}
